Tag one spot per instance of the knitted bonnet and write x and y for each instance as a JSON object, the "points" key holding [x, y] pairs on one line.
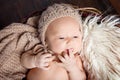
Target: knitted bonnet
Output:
{"points": [[54, 12]]}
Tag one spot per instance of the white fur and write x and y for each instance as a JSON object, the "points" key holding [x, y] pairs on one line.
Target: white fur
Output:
{"points": [[101, 48]]}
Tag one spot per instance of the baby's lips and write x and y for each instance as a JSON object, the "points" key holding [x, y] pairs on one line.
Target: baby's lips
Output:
{"points": [[67, 51], [70, 50]]}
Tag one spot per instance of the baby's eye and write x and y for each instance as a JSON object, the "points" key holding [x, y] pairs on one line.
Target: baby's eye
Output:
{"points": [[75, 36], [61, 38]]}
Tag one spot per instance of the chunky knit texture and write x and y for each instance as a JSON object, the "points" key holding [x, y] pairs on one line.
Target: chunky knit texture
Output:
{"points": [[14, 40], [54, 12]]}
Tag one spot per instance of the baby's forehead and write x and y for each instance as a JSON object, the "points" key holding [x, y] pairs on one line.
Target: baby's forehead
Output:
{"points": [[64, 25], [63, 22]]}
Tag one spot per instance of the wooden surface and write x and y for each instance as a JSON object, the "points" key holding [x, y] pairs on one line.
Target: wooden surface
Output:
{"points": [[18, 10], [116, 5]]}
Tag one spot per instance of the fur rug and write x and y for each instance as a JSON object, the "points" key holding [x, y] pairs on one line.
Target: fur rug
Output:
{"points": [[101, 48]]}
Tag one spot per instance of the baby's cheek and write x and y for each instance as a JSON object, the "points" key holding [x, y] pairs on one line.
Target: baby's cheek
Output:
{"points": [[77, 47], [57, 48]]}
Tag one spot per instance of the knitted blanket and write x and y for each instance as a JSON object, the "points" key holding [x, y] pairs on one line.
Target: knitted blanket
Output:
{"points": [[14, 40]]}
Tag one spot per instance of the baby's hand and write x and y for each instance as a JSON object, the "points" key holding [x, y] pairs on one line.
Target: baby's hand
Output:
{"points": [[43, 60], [69, 61]]}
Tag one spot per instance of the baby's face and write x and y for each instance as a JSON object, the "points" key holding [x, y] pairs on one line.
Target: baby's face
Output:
{"points": [[63, 34]]}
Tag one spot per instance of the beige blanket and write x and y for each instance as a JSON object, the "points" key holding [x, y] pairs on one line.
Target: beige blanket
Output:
{"points": [[14, 40]]}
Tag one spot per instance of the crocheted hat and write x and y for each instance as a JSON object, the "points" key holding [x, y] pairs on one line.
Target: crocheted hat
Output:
{"points": [[54, 12]]}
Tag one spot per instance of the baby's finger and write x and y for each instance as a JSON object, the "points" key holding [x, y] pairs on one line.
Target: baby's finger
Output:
{"points": [[49, 59], [37, 49], [40, 53], [45, 67], [71, 54], [61, 58], [46, 55], [46, 64], [66, 55]]}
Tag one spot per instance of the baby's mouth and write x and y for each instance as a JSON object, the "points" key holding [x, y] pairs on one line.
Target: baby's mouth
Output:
{"points": [[62, 54], [71, 50], [67, 51]]}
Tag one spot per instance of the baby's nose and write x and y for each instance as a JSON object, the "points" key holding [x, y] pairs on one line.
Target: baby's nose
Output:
{"points": [[69, 40]]}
